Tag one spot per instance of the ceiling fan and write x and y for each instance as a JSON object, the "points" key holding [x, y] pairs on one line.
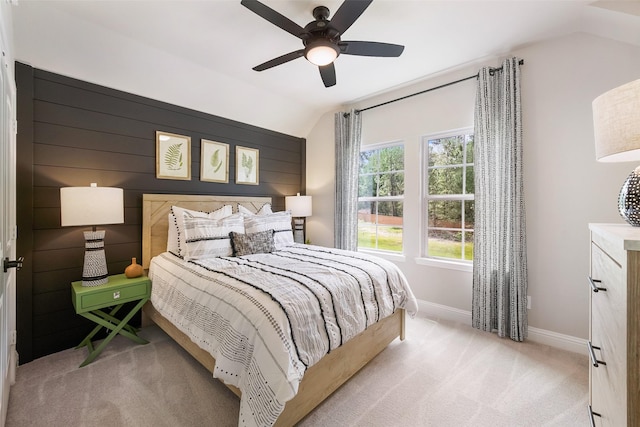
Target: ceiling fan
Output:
{"points": [[321, 38]]}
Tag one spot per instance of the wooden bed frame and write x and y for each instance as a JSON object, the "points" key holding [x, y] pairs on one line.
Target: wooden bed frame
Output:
{"points": [[321, 379]]}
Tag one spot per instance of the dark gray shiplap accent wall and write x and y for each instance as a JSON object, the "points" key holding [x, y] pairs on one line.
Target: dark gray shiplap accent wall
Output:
{"points": [[72, 133]]}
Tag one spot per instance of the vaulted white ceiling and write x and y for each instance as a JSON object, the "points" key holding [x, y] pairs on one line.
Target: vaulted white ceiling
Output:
{"points": [[200, 54]]}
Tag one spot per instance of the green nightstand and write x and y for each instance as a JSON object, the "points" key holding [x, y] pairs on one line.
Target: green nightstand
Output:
{"points": [[90, 300]]}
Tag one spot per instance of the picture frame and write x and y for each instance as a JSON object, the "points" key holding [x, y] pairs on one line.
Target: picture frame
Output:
{"points": [[247, 165], [214, 161], [173, 156]]}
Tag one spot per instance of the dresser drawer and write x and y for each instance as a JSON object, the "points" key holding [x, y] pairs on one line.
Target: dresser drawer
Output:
{"points": [[608, 332]]}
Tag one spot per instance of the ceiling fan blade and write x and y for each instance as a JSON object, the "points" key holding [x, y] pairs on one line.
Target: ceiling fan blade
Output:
{"points": [[280, 60], [328, 74], [274, 17], [347, 14], [370, 49]]}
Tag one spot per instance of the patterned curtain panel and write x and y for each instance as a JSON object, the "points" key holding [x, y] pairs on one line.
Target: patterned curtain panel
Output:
{"points": [[500, 258], [348, 127]]}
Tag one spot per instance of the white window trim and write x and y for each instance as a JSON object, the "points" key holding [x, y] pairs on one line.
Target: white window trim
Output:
{"points": [[460, 265], [388, 255], [446, 263]]}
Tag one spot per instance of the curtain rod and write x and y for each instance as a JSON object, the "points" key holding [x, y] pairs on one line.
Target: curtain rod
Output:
{"points": [[492, 70]]}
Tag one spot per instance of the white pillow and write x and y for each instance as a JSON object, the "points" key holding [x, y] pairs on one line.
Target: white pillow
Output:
{"points": [[172, 236], [279, 222], [206, 238], [175, 238], [264, 209]]}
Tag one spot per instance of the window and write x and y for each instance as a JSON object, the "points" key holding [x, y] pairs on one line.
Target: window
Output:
{"points": [[448, 202], [380, 196]]}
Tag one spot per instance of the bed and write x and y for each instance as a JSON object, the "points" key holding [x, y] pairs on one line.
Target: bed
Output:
{"points": [[321, 377]]}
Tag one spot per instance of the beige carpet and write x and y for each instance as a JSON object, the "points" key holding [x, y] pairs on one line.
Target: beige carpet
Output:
{"points": [[444, 374]]}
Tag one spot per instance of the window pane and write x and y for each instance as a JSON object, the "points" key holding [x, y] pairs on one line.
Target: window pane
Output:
{"points": [[445, 213], [469, 214], [391, 184], [366, 185], [445, 244], [392, 159], [446, 151], [366, 225], [435, 152], [468, 246], [367, 211], [369, 161], [445, 181], [469, 139], [390, 226], [470, 184]]}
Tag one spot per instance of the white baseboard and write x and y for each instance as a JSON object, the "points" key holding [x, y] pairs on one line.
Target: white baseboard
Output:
{"points": [[542, 336], [431, 309]]}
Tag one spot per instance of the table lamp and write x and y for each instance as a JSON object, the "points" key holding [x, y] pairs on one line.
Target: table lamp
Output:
{"points": [[616, 124], [300, 208], [92, 206]]}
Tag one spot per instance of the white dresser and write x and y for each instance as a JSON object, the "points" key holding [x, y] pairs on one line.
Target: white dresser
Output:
{"points": [[614, 325]]}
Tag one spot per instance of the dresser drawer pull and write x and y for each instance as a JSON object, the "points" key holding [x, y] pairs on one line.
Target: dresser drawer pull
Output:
{"points": [[594, 287], [591, 414], [592, 355]]}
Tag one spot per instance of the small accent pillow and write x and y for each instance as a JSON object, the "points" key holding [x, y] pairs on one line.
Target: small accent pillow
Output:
{"points": [[264, 210], [252, 243], [206, 237], [175, 237], [279, 222]]}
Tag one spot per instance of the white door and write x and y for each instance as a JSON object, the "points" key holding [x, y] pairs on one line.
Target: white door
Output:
{"points": [[8, 355]]}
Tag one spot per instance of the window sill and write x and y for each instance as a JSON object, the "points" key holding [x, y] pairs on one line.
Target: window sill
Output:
{"points": [[385, 255], [440, 263]]}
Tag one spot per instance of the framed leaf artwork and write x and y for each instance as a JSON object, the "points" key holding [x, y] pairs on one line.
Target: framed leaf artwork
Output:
{"points": [[173, 156], [247, 166], [214, 161]]}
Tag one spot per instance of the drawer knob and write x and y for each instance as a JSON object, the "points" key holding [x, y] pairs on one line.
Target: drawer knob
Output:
{"points": [[592, 422], [592, 354], [594, 286], [116, 295]]}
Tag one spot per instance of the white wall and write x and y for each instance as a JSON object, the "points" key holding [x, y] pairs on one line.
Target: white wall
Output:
{"points": [[565, 188]]}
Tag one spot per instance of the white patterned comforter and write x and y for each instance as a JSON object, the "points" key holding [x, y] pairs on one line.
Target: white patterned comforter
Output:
{"points": [[266, 318]]}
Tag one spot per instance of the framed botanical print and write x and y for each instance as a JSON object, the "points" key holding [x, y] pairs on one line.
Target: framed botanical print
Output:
{"points": [[247, 166], [214, 161], [173, 156]]}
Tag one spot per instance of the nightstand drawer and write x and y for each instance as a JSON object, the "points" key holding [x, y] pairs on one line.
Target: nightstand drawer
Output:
{"points": [[119, 290], [110, 297]]}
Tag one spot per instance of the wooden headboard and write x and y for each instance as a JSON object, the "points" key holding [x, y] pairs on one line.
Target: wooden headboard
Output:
{"points": [[155, 211]]}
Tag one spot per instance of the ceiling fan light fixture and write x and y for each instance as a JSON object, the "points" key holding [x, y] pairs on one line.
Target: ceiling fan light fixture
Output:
{"points": [[321, 52]]}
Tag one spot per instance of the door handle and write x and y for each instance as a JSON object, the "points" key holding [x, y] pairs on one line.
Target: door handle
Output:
{"points": [[17, 264]]}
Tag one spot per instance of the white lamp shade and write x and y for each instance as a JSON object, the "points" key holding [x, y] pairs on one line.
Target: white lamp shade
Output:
{"points": [[299, 206], [91, 205], [616, 124]]}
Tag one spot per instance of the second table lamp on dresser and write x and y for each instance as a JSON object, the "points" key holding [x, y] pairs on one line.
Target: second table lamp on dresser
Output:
{"points": [[616, 124], [93, 205]]}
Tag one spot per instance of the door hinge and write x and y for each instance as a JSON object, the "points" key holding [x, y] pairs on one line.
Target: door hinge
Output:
{"points": [[14, 232], [14, 337]]}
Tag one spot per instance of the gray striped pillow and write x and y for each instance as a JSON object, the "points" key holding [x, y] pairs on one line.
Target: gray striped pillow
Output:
{"points": [[206, 238], [279, 222]]}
